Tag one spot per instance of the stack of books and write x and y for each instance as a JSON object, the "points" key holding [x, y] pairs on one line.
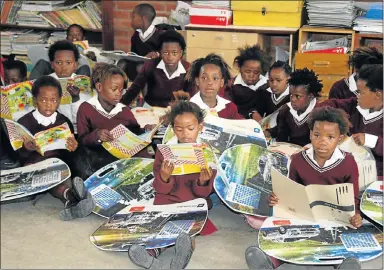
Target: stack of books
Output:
{"points": [[55, 36], [42, 5], [22, 41], [6, 45], [30, 18]]}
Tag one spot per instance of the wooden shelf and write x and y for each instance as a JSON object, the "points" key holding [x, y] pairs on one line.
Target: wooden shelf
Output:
{"points": [[243, 29], [21, 26], [330, 30]]}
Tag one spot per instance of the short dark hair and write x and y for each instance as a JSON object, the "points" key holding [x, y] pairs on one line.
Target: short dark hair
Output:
{"points": [[373, 76], [75, 25], [331, 115], [308, 79], [184, 106], [16, 64], [283, 65], [253, 53], [172, 36], [146, 10], [44, 81], [103, 71], [365, 56], [195, 68], [63, 45]]}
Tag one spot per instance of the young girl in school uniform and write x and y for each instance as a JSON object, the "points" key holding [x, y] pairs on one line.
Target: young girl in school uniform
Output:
{"points": [[100, 114], [46, 93], [322, 164], [243, 89], [210, 75], [366, 112], [304, 88], [347, 87], [186, 118]]}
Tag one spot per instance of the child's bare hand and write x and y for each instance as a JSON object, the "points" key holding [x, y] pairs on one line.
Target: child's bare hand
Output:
{"points": [[153, 55], [205, 175], [256, 116], [359, 138], [149, 127], [71, 144], [75, 92], [273, 200], [30, 145], [356, 221], [267, 134], [166, 170], [104, 135]]}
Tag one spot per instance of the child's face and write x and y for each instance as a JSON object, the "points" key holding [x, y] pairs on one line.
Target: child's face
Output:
{"points": [[136, 20], [12, 76], [187, 128], [171, 54], [48, 100], [75, 34], [366, 98], [300, 98], [325, 137], [278, 80], [64, 64], [250, 71], [111, 90], [210, 80]]}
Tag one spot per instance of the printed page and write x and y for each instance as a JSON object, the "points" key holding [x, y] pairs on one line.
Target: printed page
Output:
{"points": [[126, 144], [16, 100], [147, 136], [293, 198], [53, 138], [332, 202], [145, 116], [80, 81], [17, 133], [270, 121], [66, 98]]}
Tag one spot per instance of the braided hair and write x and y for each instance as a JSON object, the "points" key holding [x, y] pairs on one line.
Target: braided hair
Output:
{"points": [[308, 79]]}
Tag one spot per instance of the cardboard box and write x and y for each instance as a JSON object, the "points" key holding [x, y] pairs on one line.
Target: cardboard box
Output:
{"points": [[210, 16]]}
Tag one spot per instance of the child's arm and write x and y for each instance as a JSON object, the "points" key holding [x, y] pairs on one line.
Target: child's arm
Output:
{"points": [[203, 185], [87, 136], [348, 105], [283, 130], [336, 90], [138, 84], [163, 169], [371, 141]]}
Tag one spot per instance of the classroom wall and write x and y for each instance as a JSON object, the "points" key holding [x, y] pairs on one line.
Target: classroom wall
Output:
{"points": [[122, 19]]}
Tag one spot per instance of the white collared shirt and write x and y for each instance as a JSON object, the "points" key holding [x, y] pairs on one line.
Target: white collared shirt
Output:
{"points": [[94, 101], [336, 156], [352, 83], [147, 32], [54, 75], [180, 70], [220, 103], [370, 139], [43, 120], [262, 80], [302, 117], [279, 98], [174, 140]]}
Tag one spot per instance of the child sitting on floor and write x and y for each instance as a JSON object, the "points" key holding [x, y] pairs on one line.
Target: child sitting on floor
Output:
{"points": [[186, 118], [46, 93], [322, 164], [366, 112], [347, 88], [162, 75], [242, 90], [15, 71], [210, 75], [100, 114], [304, 88]]}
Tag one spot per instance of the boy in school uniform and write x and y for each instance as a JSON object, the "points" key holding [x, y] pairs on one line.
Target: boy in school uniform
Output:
{"points": [[145, 39], [347, 88], [15, 71], [366, 112], [163, 75]]}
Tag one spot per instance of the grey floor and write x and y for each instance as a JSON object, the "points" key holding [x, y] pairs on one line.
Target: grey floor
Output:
{"points": [[33, 236]]}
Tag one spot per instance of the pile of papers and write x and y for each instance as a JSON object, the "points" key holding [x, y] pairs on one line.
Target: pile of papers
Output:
{"points": [[213, 4], [339, 46], [332, 13], [30, 18], [22, 41], [6, 46], [55, 36], [42, 5], [372, 21]]}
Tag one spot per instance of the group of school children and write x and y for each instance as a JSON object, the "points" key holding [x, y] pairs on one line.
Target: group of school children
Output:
{"points": [[355, 109]]}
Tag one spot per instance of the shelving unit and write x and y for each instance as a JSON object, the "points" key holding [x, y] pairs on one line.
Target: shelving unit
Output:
{"points": [[362, 38]]}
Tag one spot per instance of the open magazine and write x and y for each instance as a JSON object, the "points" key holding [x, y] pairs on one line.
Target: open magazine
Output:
{"points": [[188, 157], [81, 81], [145, 116], [16, 100], [46, 140], [126, 144], [334, 203], [130, 56], [269, 121]]}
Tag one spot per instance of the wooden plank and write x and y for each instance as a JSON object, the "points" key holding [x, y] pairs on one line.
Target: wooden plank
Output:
{"points": [[107, 23]]}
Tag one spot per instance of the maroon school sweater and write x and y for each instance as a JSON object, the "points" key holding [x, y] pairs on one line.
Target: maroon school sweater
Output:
{"points": [[340, 90], [29, 122], [360, 125], [159, 87], [180, 188], [266, 102], [304, 171], [230, 112]]}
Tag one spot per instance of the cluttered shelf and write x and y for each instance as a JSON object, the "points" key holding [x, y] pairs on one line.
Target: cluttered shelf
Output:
{"points": [[243, 29], [19, 26]]}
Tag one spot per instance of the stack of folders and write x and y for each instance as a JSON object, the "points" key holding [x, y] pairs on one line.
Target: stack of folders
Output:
{"points": [[372, 21], [213, 4]]}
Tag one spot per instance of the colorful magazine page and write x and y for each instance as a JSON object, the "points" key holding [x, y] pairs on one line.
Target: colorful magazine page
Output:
{"points": [[145, 116], [371, 203], [82, 45], [188, 157], [298, 241], [16, 100], [154, 226], [81, 81], [17, 134], [126, 144], [269, 121], [334, 203]]}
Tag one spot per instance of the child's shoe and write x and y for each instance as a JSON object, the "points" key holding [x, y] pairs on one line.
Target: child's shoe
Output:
{"points": [[140, 257], [350, 263], [183, 251], [257, 259]]}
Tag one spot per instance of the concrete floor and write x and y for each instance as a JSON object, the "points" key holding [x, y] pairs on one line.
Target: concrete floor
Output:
{"points": [[33, 237]]}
